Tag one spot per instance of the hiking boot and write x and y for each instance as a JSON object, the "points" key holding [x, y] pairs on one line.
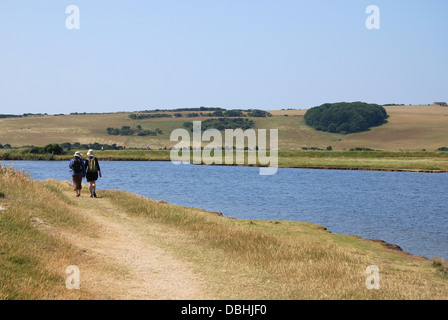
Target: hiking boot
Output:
{"points": [[94, 194], [91, 196]]}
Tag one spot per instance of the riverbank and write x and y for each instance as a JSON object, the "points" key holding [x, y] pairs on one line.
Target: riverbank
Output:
{"points": [[406, 161], [130, 247]]}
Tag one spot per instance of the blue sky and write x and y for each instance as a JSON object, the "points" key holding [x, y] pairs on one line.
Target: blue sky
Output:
{"points": [[133, 55]]}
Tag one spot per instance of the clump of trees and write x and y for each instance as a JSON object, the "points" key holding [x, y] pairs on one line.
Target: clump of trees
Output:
{"points": [[184, 109], [258, 113], [223, 123], [59, 149], [94, 146], [360, 149], [140, 116], [345, 117], [239, 113], [128, 131], [196, 112], [53, 148], [2, 116]]}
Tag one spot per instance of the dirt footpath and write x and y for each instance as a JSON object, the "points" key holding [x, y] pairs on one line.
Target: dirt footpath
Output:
{"points": [[124, 262]]}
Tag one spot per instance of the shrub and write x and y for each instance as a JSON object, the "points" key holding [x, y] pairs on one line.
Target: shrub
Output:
{"points": [[223, 123], [233, 113], [51, 148], [126, 131], [259, 113], [113, 131], [134, 116], [360, 149]]}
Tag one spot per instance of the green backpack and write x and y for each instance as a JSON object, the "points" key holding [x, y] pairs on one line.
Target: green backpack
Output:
{"points": [[92, 165]]}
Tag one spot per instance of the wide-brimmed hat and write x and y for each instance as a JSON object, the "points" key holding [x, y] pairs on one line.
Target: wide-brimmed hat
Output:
{"points": [[78, 154], [90, 153]]}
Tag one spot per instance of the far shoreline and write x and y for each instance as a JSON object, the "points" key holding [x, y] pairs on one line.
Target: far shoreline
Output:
{"points": [[246, 165]]}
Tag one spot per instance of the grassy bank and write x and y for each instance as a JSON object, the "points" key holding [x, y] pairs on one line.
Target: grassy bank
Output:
{"points": [[367, 160], [44, 228], [425, 161]]}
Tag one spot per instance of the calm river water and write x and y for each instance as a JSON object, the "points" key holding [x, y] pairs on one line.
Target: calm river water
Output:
{"points": [[406, 209]]}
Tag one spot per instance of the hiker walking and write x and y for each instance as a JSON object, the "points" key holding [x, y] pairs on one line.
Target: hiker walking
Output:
{"points": [[93, 170], [78, 171]]}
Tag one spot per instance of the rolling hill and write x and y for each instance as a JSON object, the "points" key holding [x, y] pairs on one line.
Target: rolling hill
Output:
{"points": [[415, 127]]}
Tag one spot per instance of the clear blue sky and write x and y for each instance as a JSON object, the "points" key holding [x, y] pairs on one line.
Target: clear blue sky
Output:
{"points": [[133, 55]]}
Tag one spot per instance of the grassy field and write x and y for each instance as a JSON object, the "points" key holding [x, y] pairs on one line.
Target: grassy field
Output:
{"points": [[129, 247], [409, 128]]}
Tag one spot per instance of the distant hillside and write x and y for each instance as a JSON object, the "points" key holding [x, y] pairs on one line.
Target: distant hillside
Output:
{"points": [[408, 128]]}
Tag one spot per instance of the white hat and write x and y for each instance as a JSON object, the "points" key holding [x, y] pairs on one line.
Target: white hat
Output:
{"points": [[90, 153], [78, 154]]}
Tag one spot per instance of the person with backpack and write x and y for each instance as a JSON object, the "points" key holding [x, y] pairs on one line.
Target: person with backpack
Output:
{"points": [[93, 170], [78, 171]]}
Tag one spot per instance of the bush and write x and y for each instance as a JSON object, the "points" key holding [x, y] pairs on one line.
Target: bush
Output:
{"points": [[233, 113], [51, 148], [360, 149], [223, 123], [217, 113], [146, 133], [442, 149], [128, 131], [113, 131], [345, 117], [312, 148], [134, 116], [93, 146], [259, 113]]}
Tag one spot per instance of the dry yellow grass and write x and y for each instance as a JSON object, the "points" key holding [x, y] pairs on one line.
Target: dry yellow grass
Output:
{"points": [[408, 128]]}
